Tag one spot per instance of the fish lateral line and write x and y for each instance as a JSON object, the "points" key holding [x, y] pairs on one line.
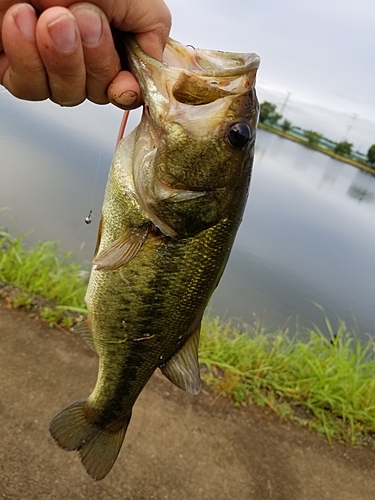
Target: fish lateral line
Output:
{"points": [[140, 339], [123, 341]]}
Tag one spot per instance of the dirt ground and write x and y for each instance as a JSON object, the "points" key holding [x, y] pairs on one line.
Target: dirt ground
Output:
{"points": [[178, 447]]}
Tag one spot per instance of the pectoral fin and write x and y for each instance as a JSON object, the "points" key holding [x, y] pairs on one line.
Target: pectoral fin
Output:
{"points": [[83, 329], [122, 250], [183, 368], [99, 237]]}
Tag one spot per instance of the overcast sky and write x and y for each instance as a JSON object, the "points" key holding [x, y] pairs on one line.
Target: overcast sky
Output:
{"points": [[321, 51]]}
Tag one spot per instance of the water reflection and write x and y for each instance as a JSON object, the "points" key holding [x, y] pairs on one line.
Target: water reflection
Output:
{"points": [[304, 240], [308, 234], [47, 178], [362, 188]]}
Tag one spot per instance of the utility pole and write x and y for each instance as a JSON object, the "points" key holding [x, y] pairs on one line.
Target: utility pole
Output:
{"points": [[285, 103], [350, 126]]}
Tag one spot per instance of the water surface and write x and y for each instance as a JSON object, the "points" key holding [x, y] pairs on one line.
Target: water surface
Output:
{"points": [[308, 234]]}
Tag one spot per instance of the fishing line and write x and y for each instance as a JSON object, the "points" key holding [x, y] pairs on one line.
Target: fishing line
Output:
{"points": [[88, 219], [124, 121], [121, 132]]}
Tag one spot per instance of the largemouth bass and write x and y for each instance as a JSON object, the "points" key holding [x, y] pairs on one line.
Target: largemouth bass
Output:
{"points": [[175, 196]]}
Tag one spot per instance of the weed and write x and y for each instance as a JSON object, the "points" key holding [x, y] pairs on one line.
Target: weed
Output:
{"points": [[20, 299], [325, 384], [41, 270]]}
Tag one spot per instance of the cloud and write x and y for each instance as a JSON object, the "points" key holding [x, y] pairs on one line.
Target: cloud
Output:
{"points": [[322, 52]]}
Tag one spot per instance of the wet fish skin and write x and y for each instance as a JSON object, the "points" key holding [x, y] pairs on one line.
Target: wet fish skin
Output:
{"points": [[174, 200]]}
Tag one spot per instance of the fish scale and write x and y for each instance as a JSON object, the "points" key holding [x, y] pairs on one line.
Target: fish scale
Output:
{"points": [[174, 199]]}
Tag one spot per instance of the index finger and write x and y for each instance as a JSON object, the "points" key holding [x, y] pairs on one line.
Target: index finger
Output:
{"points": [[149, 21], [4, 6]]}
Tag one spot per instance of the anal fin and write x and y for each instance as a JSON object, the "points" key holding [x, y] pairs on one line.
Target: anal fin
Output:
{"points": [[183, 368], [122, 250]]}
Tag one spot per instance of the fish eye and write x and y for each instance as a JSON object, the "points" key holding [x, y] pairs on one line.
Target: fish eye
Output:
{"points": [[239, 135]]}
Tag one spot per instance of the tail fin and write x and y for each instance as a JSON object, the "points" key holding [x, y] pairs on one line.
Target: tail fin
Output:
{"points": [[98, 447]]}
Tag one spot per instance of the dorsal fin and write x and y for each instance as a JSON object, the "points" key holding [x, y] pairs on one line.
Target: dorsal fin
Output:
{"points": [[183, 368], [122, 250]]}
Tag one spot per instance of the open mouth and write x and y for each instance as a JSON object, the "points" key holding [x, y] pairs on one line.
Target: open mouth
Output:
{"points": [[193, 76], [210, 63]]}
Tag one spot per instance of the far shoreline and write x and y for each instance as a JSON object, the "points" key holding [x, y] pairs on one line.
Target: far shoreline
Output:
{"points": [[320, 149]]}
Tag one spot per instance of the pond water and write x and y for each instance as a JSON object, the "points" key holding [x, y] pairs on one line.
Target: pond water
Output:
{"points": [[307, 238]]}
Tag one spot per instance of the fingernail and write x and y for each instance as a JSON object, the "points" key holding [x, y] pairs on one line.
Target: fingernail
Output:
{"points": [[127, 98], [89, 24], [24, 17], [63, 32]]}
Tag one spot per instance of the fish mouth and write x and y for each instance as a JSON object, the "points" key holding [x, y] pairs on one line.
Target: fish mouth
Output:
{"points": [[211, 63], [191, 99], [190, 75]]}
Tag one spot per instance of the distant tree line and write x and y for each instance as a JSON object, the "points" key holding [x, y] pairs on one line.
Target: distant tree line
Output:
{"points": [[371, 155], [270, 116]]}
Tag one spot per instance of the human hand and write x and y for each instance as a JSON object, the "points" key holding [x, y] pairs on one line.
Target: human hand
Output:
{"points": [[64, 51]]}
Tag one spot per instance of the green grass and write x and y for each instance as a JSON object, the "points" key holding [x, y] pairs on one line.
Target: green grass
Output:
{"points": [[42, 270], [326, 383]]}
